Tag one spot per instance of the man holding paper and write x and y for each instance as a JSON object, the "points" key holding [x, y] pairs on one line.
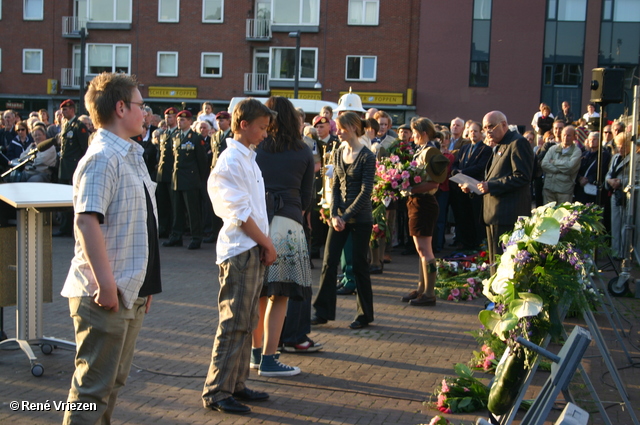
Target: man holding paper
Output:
{"points": [[507, 178]]}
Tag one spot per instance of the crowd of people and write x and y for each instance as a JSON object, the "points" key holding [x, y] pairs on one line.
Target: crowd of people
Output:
{"points": [[251, 182]]}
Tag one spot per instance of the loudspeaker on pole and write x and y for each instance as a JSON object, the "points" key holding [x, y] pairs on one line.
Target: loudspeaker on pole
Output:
{"points": [[607, 85]]}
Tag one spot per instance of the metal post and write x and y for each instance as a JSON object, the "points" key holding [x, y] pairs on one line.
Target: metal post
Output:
{"points": [[83, 58], [296, 80]]}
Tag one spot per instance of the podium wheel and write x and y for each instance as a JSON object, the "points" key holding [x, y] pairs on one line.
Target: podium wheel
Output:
{"points": [[46, 348], [37, 370]]}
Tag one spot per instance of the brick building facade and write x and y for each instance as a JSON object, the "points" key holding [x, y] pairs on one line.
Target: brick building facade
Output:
{"points": [[409, 57]]}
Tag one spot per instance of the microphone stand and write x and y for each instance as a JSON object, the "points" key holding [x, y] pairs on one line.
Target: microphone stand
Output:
{"points": [[29, 157]]}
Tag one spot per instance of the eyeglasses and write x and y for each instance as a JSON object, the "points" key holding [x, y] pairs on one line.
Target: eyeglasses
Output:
{"points": [[21, 129], [140, 104], [489, 128]]}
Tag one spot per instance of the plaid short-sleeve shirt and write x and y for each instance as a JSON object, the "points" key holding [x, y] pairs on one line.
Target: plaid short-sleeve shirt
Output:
{"points": [[110, 181]]}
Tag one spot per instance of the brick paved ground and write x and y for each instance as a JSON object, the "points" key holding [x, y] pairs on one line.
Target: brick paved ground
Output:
{"points": [[379, 375]]}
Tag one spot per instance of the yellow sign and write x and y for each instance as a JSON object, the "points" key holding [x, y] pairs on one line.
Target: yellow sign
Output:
{"points": [[182, 92], [378, 98], [302, 94]]}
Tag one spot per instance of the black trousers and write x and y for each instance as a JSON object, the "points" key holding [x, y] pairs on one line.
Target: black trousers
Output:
{"points": [[165, 207], [189, 201], [325, 302]]}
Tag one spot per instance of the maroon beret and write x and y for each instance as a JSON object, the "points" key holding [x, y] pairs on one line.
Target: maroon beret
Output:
{"points": [[170, 111], [319, 119], [223, 115], [68, 102], [185, 114]]}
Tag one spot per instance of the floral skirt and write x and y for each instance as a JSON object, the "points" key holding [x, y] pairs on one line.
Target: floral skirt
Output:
{"points": [[291, 272]]}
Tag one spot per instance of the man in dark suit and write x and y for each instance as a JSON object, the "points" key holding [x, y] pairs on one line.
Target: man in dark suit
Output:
{"points": [[467, 209], [165, 171], [507, 179], [73, 140], [189, 171], [457, 141], [145, 140]]}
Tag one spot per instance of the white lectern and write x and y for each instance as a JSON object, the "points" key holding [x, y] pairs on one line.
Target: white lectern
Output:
{"points": [[31, 200]]}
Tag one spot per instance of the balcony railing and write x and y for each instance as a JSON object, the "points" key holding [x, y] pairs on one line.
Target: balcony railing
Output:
{"points": [[71, 26], [258, 29], [70, 79], [256, 83]]}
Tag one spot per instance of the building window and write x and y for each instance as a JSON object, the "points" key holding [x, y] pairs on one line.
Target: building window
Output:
{"points": [[33, 10], [0, 52], [110, 11], [32, 61], [211, 65], [283, 63], [363, 12], [167, 64], [212, 11], [168, 10], [295, 12], [361, 68], [480, 43], [108, 58]]}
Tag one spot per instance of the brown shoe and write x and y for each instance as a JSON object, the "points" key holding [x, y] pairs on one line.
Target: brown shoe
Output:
{"points": [[386, 259], [410, 296], [423, 300]]}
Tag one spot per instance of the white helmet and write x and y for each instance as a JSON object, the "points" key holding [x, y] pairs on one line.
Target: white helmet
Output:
{"points": [[350, 102]]}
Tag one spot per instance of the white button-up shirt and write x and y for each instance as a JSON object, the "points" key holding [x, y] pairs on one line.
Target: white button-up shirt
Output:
{"points": [[110, 180], [236, 189]]}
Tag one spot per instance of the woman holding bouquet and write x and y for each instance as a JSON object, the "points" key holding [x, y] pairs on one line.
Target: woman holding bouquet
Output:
{"points": [[423, 210], [354, 171]]}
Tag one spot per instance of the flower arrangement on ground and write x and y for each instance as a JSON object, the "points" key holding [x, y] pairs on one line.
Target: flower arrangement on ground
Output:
{"points": [[460, 394], [461, 280]]}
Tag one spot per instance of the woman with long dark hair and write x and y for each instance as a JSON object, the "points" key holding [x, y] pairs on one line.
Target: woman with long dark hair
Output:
{"points": [[423, 210], [354, 171], [288, 170]]}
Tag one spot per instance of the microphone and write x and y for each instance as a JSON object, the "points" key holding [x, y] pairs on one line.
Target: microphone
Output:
{"points": [[43, 146]]}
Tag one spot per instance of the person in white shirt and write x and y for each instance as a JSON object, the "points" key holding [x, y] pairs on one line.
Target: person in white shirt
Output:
{"points": [[237, 192], [206, 114], [591, 112]]}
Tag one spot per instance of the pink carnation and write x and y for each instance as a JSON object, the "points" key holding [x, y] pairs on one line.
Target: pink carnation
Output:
{"points": [[405, 184], [394, 184], [394, 158], [441, 400], [455, 292], [471, 281], [445, 387], [405, 174], [417, 179], [450, 298], [413, 163]]}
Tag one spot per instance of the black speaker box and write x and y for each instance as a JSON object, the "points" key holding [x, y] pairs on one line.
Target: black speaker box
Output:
{"points": [[607, 85]]}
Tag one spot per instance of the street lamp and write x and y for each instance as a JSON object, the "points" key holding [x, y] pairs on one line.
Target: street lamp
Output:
{"points": [[296, 81]]}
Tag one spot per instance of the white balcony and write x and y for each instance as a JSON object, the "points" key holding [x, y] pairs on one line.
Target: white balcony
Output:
{"points": [[258, 29], [70, 79], [71, 26], [256, 83]]}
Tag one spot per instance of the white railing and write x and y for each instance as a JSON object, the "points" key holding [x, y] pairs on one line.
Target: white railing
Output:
{"points": [[71, 25], [256, 83], [258, 29], [70, 78]]}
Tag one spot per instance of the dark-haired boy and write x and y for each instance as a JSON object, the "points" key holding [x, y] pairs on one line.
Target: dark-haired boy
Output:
{"points": [[116, 267], [243, 250]]}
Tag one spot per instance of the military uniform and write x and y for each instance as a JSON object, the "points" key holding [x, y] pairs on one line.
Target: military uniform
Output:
{"points": [[163, 178], [73, 140], [189, 171]]}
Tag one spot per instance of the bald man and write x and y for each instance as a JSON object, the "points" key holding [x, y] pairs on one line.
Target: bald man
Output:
{"points": [[507, 179]]}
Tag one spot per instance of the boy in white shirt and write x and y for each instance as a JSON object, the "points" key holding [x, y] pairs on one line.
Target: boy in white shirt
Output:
{"points": [[236, 189]]}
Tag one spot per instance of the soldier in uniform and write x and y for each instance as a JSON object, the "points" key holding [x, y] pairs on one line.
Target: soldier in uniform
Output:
{"points": [[219, 140], [165, 171], [189, 171], [73, 140]]}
